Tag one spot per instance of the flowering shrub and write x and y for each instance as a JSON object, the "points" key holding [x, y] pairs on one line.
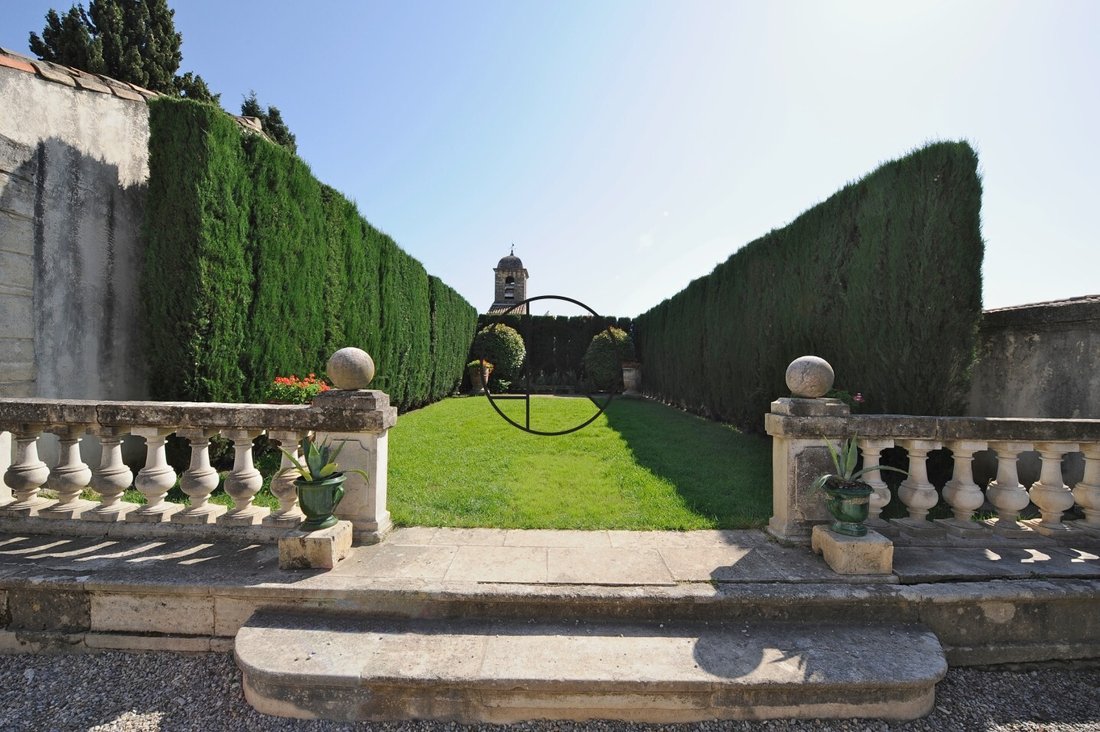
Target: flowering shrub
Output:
{"points": [[292, 390], [854, 401]]}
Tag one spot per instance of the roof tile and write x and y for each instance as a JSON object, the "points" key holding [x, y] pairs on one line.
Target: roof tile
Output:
{"points": [[86, 81], [16, 63], [124, 93], [53, 73]]}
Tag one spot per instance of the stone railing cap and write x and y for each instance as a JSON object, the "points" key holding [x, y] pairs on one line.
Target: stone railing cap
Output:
{"points": [[334, 411], [896, 426]]}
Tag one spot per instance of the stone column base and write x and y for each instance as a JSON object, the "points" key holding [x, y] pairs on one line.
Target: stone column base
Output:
{"points": [[320, 549], [870, 554]]}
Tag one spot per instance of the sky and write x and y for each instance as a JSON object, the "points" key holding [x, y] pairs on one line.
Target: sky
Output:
{"points": [[626, 147]]}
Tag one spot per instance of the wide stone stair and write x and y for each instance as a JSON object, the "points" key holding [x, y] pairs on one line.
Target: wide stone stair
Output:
{"points": [[348, 667]]}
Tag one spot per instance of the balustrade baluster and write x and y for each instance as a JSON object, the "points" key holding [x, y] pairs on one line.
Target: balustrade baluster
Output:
{"points": [[70, 477], [872, 455], [1050, 494], [5, 463], [282, 484], [244, 482], [155, 479], [961, 493], [916, 492], [1005, 493], [27, 474], [199, 480], [1087, 491], [111, 479]]}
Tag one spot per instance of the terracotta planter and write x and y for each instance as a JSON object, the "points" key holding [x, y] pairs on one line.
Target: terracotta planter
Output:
{"points": [[318, 500], [479, 378]]}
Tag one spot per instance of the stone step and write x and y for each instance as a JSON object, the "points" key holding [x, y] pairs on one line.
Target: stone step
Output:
{"points": [[501, 671]]}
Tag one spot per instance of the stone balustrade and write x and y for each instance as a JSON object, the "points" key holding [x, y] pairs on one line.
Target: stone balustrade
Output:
{"points": [[359, 418], [800, 426]]}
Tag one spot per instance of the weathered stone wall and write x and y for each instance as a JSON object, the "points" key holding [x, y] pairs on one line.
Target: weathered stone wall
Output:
{"points": [[73, 172], [1039, 360]]}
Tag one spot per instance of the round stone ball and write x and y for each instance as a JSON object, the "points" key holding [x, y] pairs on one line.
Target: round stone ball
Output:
{"points": [[350, 368], [809, 377]]}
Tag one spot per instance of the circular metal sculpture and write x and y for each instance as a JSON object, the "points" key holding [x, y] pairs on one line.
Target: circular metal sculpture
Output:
{"points": [[526, 395]]}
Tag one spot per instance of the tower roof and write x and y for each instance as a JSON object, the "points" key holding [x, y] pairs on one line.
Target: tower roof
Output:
{"points": [[510, 262]]}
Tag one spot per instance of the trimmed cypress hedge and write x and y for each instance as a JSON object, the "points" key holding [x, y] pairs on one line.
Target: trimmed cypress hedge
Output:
{"points": [[255, 269], [883, 280]]}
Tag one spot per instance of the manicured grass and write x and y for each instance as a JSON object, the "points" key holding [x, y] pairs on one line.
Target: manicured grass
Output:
{"points": [[641, 465]]}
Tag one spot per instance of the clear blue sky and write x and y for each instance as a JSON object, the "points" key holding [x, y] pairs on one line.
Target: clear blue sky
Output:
{"points": [[627, 147]]}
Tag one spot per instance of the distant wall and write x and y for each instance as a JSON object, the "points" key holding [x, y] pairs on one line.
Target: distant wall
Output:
{"points": [[1039, 360], [73, 171]]}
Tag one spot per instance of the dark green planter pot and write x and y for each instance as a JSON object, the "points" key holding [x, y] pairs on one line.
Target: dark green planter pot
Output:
{"points": [[849, 504], [318, 501]]}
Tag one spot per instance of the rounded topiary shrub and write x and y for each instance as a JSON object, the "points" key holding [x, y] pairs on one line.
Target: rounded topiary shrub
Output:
{"points": [[501, 346], [603, 361]]}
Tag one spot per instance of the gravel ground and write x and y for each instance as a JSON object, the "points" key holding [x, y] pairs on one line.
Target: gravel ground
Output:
{"points": [[164, 691]]}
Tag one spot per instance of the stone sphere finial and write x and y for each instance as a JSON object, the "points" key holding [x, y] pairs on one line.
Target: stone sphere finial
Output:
{"points": [[350, 368], [809, 377]]}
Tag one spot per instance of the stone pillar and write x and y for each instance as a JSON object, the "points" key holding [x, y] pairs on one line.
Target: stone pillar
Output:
{"points": [[155, 479], [289, 515], [1050, 493], [916, 492], [962, 493], [111, 479], [872, 456], [70, 477], [365, 448], [797, 461], [27, 474], [199, 480], [243, 482], [1005, 493], [1087, 491]]}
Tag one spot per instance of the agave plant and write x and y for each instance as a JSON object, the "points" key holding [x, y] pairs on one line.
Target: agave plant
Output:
{"points": [[844, 461], [318, 461]]}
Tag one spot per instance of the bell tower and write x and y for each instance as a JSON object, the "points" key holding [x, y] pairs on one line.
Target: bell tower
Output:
{"points": [[510, 281]]}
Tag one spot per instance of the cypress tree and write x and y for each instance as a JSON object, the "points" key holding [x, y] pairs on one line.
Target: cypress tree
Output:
{"points": [[128, 40]]}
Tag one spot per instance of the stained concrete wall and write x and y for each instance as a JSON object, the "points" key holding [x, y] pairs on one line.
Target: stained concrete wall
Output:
{"points": [[1039, 360], [74, 165]]}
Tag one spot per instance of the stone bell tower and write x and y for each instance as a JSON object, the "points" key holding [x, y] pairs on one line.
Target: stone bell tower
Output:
{"points": [[510, 279]]}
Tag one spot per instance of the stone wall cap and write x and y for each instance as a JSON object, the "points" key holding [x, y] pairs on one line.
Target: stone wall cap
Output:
{"points": [[894, 426], [1072, 310], [359, 412]]}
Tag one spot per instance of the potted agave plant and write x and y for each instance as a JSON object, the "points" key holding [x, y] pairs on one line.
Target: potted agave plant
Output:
{"points": [[320, 485], [846, 496]]}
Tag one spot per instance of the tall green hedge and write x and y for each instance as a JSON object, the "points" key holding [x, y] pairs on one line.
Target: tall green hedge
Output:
{"points": [[883, 280], [255, 269]]}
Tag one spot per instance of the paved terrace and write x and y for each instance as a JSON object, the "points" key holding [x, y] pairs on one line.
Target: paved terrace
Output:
{"points": [[123, 593]]}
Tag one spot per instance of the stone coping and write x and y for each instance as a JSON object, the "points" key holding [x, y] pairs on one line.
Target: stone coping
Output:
{"points": [[1079, 310], [890, 426], [333, 411]]}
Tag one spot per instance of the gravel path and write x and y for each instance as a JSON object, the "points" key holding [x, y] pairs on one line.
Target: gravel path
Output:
{"points": [[164, 691]]}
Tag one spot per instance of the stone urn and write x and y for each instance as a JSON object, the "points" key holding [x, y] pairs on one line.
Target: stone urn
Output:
{"points": [[318, 500], [632, 378], [849, 504]]}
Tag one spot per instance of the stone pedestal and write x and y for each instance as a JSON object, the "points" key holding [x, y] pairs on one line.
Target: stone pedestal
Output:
{"points": [[315, 549], [364, 501], [870, 554], [796, 462]]}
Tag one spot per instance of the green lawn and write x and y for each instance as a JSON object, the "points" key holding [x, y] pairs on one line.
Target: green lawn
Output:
{"points": [[641, 465]]}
